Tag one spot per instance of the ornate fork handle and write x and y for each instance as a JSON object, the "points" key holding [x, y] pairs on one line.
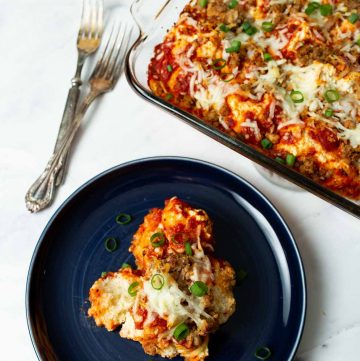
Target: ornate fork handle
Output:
{"points": [[41, 192]]}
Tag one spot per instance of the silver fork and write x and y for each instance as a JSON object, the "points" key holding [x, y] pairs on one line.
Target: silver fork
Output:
{"points": [[88, 41], [103, 79]]}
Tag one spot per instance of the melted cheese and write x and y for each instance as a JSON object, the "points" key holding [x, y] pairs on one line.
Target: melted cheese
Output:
{"points": [[172, 304]]}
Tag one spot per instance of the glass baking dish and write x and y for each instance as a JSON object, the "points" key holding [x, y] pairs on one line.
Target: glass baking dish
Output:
{"points": [[154, 18]]}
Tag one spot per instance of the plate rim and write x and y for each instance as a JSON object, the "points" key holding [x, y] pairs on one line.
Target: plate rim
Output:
{"points": [[156, 159]]}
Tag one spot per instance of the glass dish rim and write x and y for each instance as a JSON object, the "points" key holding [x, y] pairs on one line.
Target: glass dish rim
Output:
{"points": [[235, 144]]}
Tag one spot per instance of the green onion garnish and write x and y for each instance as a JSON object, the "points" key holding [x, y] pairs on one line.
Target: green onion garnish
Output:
{"points": [[353, 18], [132, 290], [290, 160], [232, 4], [181, 332], [198, 289], [332, 95], [262, 353], [235, 47], [266, 143], [188, 249], [267, 26], [267, 57], [246, 25], [218, 63], [280, 160], [123, 218], [328, 113], [297, 96], [311, 8], [326, 9], [103, 274], [157, 281], [125, 265], [248, 28], [224, 28], [157, 239], [111, 244], [240, 276], [203, 3], [169, 96], [169, 68], [226, 77], [251, 31]]}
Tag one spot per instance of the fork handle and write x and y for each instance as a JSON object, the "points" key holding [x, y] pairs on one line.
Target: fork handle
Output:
{"points": [[68, 117], [41, 193]]}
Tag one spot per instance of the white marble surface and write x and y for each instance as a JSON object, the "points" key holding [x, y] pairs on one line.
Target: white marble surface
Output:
{"points": [[37, 60]]}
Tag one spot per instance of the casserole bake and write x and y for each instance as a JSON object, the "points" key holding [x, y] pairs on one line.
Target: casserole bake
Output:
{"points": [[280, 76], [179, 293]]}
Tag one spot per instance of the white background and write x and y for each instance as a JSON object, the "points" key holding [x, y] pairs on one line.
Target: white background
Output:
{"points": [[37, 58]]}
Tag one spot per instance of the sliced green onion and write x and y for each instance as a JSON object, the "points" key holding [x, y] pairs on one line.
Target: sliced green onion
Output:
{"points": [[157, 239], [266, 143], [188, 249], [198, 289], [181, 332], [262, 353], [224, 28], [267, 57], [332, 95], [297, 96], [267, 26], [169, 96], [169, 68], [123, 218], [326, 9], [203, 3], [132, 290], [235, 47], [315, 4], [218, 63], [111, 244], [248, 28], [157, 281], [280, 160], [103, 274], [328, 113], [246, 25], [311, 8], [240, 276], [290, 159], [226, 77], [125, 265], [232, 4], [353, 18]]}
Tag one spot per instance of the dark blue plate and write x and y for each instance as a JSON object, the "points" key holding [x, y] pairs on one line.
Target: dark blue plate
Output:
{"points": [[250, 234]]}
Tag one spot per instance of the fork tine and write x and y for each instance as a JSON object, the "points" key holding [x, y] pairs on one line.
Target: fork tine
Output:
{"points": [[93, 18], [100, 18], [110, 65], [121, 59], [111, 68], [82, 21], [108, 61], [99, 64], [88, 19]]}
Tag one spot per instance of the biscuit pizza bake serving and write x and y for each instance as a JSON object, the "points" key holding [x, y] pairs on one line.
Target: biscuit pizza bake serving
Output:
{"points": [[179, 293]]}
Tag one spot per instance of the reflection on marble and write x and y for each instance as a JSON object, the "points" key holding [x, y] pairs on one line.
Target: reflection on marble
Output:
{"points": [[37, 50]]}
